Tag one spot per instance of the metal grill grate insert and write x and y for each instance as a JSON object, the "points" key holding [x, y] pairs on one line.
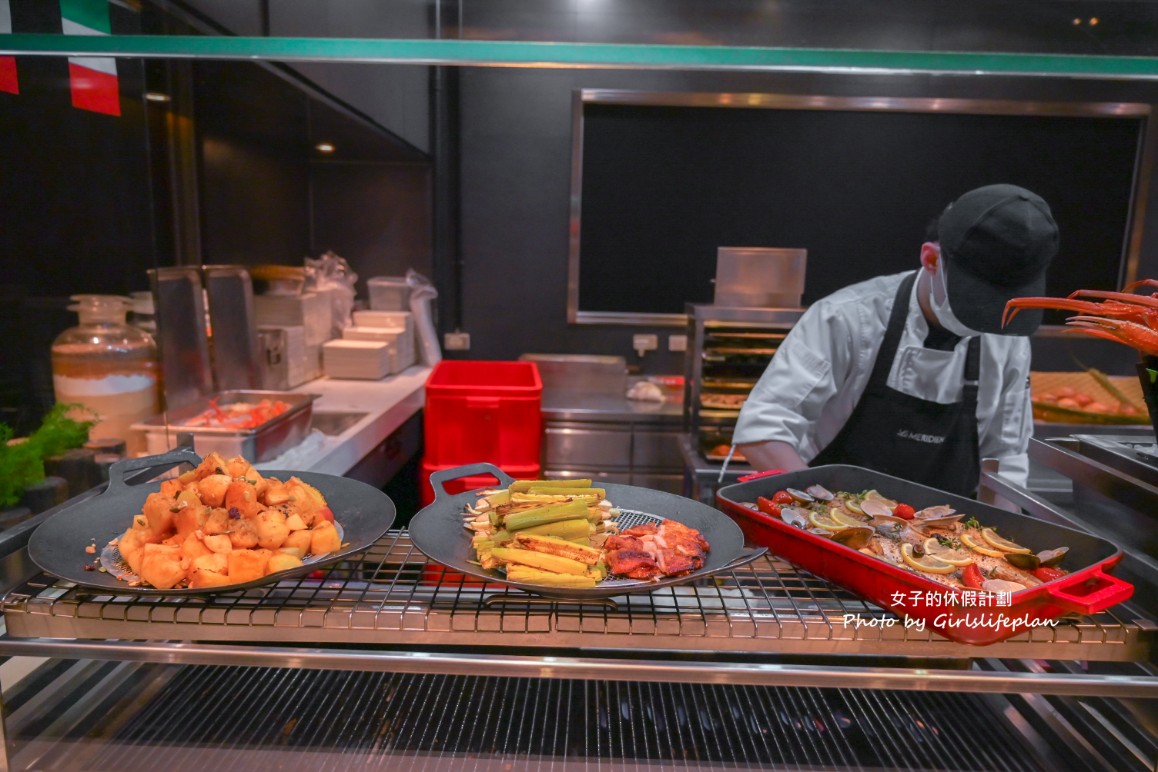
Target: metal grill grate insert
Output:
{"points": [[233, 717]]}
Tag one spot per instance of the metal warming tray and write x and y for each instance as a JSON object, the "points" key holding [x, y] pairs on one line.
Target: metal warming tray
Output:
{"points": [[261, 443], [1088, 587]]}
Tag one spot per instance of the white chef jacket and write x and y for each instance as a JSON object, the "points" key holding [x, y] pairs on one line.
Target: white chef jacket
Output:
{"points": [[821, 369]]}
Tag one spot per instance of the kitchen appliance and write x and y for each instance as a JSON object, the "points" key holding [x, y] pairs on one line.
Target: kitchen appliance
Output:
{"points": [[437, 531], [1087, 587], [728, 350], [760, 277]]}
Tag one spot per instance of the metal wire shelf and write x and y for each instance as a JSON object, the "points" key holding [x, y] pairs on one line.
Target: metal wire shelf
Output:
{"points": [[391, 595]]}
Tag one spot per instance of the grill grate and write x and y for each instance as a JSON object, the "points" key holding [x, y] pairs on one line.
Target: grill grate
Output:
{"points": [[391, 595], [348, 720]]}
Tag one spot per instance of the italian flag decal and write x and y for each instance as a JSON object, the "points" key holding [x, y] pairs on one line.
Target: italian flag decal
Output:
{"points": [[93, 78], [8, 82]]}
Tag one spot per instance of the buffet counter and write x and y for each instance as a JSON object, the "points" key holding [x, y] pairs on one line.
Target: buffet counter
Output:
{"points": [[351, 419]]}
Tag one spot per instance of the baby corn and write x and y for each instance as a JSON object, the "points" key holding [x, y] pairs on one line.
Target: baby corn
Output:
{"points": [[540, 560], [518, 573], [522, 486], [549, 545]]}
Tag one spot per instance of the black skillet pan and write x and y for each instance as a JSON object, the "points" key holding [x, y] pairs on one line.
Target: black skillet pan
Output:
{"points": [[437, 530], [362, 512]]}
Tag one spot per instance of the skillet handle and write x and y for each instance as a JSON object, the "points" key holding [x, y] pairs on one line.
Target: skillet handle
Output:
{"points": [[1099, 591], [118, 470], [439, 478]]}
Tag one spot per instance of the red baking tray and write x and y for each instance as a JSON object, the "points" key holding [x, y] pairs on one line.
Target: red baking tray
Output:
{"points": [[1087, 589]]}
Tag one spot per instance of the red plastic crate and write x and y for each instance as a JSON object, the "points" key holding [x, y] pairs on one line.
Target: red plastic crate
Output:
{"points": [[426, 492], [483, 411]]}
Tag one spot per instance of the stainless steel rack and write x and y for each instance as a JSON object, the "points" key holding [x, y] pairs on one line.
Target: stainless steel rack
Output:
{"points": [[398, 612]]}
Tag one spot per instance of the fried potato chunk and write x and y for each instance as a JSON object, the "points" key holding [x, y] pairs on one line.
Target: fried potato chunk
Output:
{"points": [[324, 538], [247, 565], [224, 523], [163, 566]]}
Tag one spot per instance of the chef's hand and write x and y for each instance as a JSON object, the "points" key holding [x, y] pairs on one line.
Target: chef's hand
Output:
{"points": [[772, 455]]}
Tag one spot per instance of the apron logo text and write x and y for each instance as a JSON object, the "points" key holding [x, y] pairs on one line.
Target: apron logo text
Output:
{"points": [[932, 439]]}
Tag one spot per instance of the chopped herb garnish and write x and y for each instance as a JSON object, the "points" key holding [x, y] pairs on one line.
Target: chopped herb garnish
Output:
{"points": [[972, 522]]}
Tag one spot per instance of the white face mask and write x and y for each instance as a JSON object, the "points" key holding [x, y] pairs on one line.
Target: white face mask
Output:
{"points": [[940, 306]]}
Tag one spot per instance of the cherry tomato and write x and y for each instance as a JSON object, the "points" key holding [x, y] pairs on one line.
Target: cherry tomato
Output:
{"points": [[326, 514], [971, 577], [782, 497], [767, 506], [904, 511], [1048, 574]]}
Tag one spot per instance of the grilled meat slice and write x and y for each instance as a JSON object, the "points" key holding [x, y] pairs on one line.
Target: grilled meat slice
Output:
{"points": [[633, 564]]}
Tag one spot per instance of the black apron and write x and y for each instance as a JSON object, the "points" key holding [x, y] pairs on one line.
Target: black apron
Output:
{"points": [[908, 437]]}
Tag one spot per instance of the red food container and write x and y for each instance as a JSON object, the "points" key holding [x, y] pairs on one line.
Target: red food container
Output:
{"points": [[474, 482], [1086, 589], [483, 411]]}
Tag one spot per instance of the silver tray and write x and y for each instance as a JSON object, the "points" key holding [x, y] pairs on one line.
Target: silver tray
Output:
{"points": [[258, 444]]}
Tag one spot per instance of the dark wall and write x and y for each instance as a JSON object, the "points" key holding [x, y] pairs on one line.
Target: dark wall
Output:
{"points": [[516, 150], [90, 202]]}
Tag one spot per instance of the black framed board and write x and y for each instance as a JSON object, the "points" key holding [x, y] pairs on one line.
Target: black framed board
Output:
{"points": [[662, 181]]}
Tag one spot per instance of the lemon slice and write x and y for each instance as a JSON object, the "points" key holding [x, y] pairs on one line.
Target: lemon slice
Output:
{"points": [[928, 564], [844, 518], [947, 554], [1005, 545], [979, 546], [826, 522]]}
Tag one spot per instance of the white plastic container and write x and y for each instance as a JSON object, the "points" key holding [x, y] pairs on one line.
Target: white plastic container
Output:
{"points": [[389, 293]]}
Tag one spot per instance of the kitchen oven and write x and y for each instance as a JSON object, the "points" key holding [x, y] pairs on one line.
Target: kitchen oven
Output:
{"points": [[384, 663], [728, 349]]}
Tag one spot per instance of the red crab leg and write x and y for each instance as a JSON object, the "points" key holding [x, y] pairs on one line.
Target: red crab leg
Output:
{"points": [[1138, 336], [1123, 297], [1140, 283], [1056, 304]]}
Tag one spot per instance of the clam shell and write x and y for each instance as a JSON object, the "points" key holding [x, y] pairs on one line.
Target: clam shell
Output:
{"points": [[855, 537], [800, 496], [876, 508], [1026, 562], [794, 516], [1051, 558], [819, 492], [934, 513]]}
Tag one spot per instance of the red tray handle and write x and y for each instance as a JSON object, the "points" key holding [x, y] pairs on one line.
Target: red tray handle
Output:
{"points": [[758, 475], [1107, 590]]}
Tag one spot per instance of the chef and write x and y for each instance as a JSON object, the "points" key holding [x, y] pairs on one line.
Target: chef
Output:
{"points": [[913, 374]]}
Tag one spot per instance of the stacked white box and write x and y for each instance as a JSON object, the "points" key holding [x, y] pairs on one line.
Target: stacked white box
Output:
{"points": [[396, 326], [311, 311], [356, 359], [302, 362], [401, 343]]}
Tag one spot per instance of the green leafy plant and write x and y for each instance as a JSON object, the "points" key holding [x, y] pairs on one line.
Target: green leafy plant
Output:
{"points": [[22, 460]]}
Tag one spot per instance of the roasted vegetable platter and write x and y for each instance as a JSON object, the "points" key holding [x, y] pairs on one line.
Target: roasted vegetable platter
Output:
{"points": [[1083, 584], [437, 531]]}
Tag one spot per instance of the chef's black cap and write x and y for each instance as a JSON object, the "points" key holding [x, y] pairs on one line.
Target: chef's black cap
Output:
{"points": [[997, 243]]}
